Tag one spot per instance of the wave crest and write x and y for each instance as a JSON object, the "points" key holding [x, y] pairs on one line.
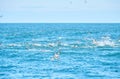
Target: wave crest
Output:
{"points": [[105, 41]]}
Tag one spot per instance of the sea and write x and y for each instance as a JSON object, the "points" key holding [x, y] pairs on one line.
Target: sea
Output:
{"points": [[59, 50]]}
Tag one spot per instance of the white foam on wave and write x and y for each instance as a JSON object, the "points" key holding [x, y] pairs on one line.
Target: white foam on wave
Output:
{"points": [[13, 44], [64, 44], [36, 39], [60, 37], [36, 44], [105, 41], [39, 50], [118, 40], [45, 50]]}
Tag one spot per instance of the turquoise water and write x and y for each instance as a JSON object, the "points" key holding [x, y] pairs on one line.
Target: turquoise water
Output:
{"points": [[59, 51]]}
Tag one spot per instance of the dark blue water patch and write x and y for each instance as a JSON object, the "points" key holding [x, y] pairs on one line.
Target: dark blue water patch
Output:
{"points": [[112, 54], [112, 69], [83, 33], [4, 76], [106, 48], [110, 63], [9, 68], [5, 67], [9, 54], [66, 70], [96, 75]]}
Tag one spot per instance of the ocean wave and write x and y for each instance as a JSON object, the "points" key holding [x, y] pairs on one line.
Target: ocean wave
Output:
{"points": [[39, 50], [82, 43], [30, 50], [36, 44], [14, 45], [112, 54], [105, 41]]}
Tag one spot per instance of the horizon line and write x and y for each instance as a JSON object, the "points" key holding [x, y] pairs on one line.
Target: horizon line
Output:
{"points": [[60, 22]]}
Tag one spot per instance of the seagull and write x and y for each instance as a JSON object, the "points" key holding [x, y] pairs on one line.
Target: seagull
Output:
{"points": [[56, 56]]}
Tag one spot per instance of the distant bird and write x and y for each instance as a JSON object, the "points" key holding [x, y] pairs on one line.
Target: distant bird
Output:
{"points": [[71, 2], [1, 16], [85, 1], [56, 55]]}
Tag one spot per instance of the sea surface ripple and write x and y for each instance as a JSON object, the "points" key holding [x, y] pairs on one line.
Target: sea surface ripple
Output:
{"points": [[59, 51]]}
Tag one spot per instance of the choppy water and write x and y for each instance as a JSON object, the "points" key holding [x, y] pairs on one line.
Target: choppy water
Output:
{"points": [[59, 51]]}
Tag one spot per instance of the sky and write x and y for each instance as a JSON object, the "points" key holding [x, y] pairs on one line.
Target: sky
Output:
{"points": [[59, 11]]}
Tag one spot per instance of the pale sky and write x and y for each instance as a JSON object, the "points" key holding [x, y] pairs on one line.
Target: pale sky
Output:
{"points": [[59, 11]]}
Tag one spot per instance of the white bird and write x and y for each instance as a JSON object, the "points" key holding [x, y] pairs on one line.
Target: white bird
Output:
{"points": [[56, 56]]}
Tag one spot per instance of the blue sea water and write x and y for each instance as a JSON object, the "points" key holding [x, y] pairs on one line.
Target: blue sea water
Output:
{"points": [[59, 51]]}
